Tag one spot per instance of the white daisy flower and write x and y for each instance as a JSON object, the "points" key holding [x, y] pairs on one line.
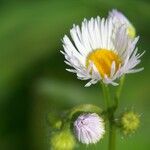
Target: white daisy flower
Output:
{"points": [[97, 53], [89, 128], [119, 19]]}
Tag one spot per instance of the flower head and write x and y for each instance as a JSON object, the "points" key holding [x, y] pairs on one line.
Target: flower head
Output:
{"points": [[119, 19], [63, 140], [129, 122], [100, 51], [89, 128]]}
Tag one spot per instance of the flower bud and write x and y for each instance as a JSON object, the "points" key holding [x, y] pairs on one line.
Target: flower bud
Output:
{"points": [[89, 128], [63, 140], [119, 19], [129, 122]]}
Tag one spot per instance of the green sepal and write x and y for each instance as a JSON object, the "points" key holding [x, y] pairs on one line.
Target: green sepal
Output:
{"points": [[85, 108]]}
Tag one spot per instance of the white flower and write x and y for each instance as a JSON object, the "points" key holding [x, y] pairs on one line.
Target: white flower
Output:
{"points": [[119, 19], [97, 52], [89, 128]]}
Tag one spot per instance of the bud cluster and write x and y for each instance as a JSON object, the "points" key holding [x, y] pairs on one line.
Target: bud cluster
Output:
{"points": [[89, 128]]}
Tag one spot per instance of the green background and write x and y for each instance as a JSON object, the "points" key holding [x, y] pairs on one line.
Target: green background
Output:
{"points": [[33, 80]]}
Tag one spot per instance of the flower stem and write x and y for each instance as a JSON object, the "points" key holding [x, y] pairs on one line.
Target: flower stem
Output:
{"points": [[112, 134], [111, 111], [112, 127], [106, 94], [118, 92], [110, 115]]}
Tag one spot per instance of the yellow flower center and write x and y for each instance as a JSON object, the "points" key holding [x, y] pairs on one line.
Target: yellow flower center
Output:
{"points": [[102, 60]]}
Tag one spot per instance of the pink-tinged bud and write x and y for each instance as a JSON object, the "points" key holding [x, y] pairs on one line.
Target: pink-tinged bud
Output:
{"points": [[89, 128]]}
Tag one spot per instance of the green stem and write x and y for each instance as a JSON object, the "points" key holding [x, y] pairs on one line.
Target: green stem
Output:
{"points": [[110, 112], [119, 90], [112, 135], [106, 94]]}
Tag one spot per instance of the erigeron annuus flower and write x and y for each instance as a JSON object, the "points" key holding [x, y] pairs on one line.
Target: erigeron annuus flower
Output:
{"points": [[98, 53], [89, 128], [119, 19]]}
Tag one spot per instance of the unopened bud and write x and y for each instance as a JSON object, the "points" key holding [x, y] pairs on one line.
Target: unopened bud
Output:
{"points": [[129, 122], [89, 128], [63, 140], [120, 19]]}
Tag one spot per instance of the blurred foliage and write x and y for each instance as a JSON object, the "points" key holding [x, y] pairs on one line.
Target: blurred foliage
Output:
{"points": [[33, 80]]}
